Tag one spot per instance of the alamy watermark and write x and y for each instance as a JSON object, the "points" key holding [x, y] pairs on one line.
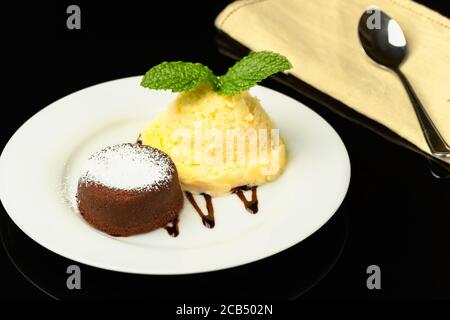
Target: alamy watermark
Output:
{"points": [[210, 146], [73, 21], [74, 279], [374, 280], [374, 20]]}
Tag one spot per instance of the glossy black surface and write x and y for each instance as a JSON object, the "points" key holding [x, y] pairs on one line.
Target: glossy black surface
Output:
{"points": [[396, 213]]}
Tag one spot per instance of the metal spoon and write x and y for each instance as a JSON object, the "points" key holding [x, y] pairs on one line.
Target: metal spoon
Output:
{"points": [[384, 42]]}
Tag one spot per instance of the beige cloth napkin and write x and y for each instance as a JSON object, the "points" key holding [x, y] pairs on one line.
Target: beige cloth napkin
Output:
{"points": [[320, 39]]}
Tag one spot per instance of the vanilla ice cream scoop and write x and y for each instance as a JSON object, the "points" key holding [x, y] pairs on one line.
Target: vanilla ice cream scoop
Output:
{"points": [[218, 142]]}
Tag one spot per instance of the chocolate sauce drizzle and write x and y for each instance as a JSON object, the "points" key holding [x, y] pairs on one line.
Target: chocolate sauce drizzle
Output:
{"points": [[207, 219], [172, 228], [250, 205], [139, 140]]}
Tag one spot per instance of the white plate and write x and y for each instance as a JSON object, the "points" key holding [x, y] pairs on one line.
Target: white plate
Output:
{"points": [[40, 164]]}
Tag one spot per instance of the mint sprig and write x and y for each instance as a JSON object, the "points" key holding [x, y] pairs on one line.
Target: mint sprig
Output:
{"points": [[186, 76]]}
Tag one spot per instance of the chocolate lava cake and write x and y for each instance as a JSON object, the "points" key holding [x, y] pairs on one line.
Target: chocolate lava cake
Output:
{"points": [[128, 189]]}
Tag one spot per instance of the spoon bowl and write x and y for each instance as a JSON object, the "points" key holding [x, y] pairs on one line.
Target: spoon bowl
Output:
{"points": [[382, 38]]}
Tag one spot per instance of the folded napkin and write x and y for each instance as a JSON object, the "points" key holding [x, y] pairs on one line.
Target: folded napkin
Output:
{"points": [[320, 39]]}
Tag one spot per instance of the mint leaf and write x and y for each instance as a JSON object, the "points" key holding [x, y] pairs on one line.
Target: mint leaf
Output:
{"points": [[178, 76], [250, 70]]}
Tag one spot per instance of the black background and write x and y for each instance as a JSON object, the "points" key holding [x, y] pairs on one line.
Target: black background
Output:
{"points": [[396, 214]]}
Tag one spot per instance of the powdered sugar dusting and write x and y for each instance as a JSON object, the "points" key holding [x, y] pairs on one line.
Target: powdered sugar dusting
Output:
{"points": [[128, 167]]}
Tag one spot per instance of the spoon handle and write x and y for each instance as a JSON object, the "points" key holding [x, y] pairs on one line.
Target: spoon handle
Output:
{"points": [[437, 144]]}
